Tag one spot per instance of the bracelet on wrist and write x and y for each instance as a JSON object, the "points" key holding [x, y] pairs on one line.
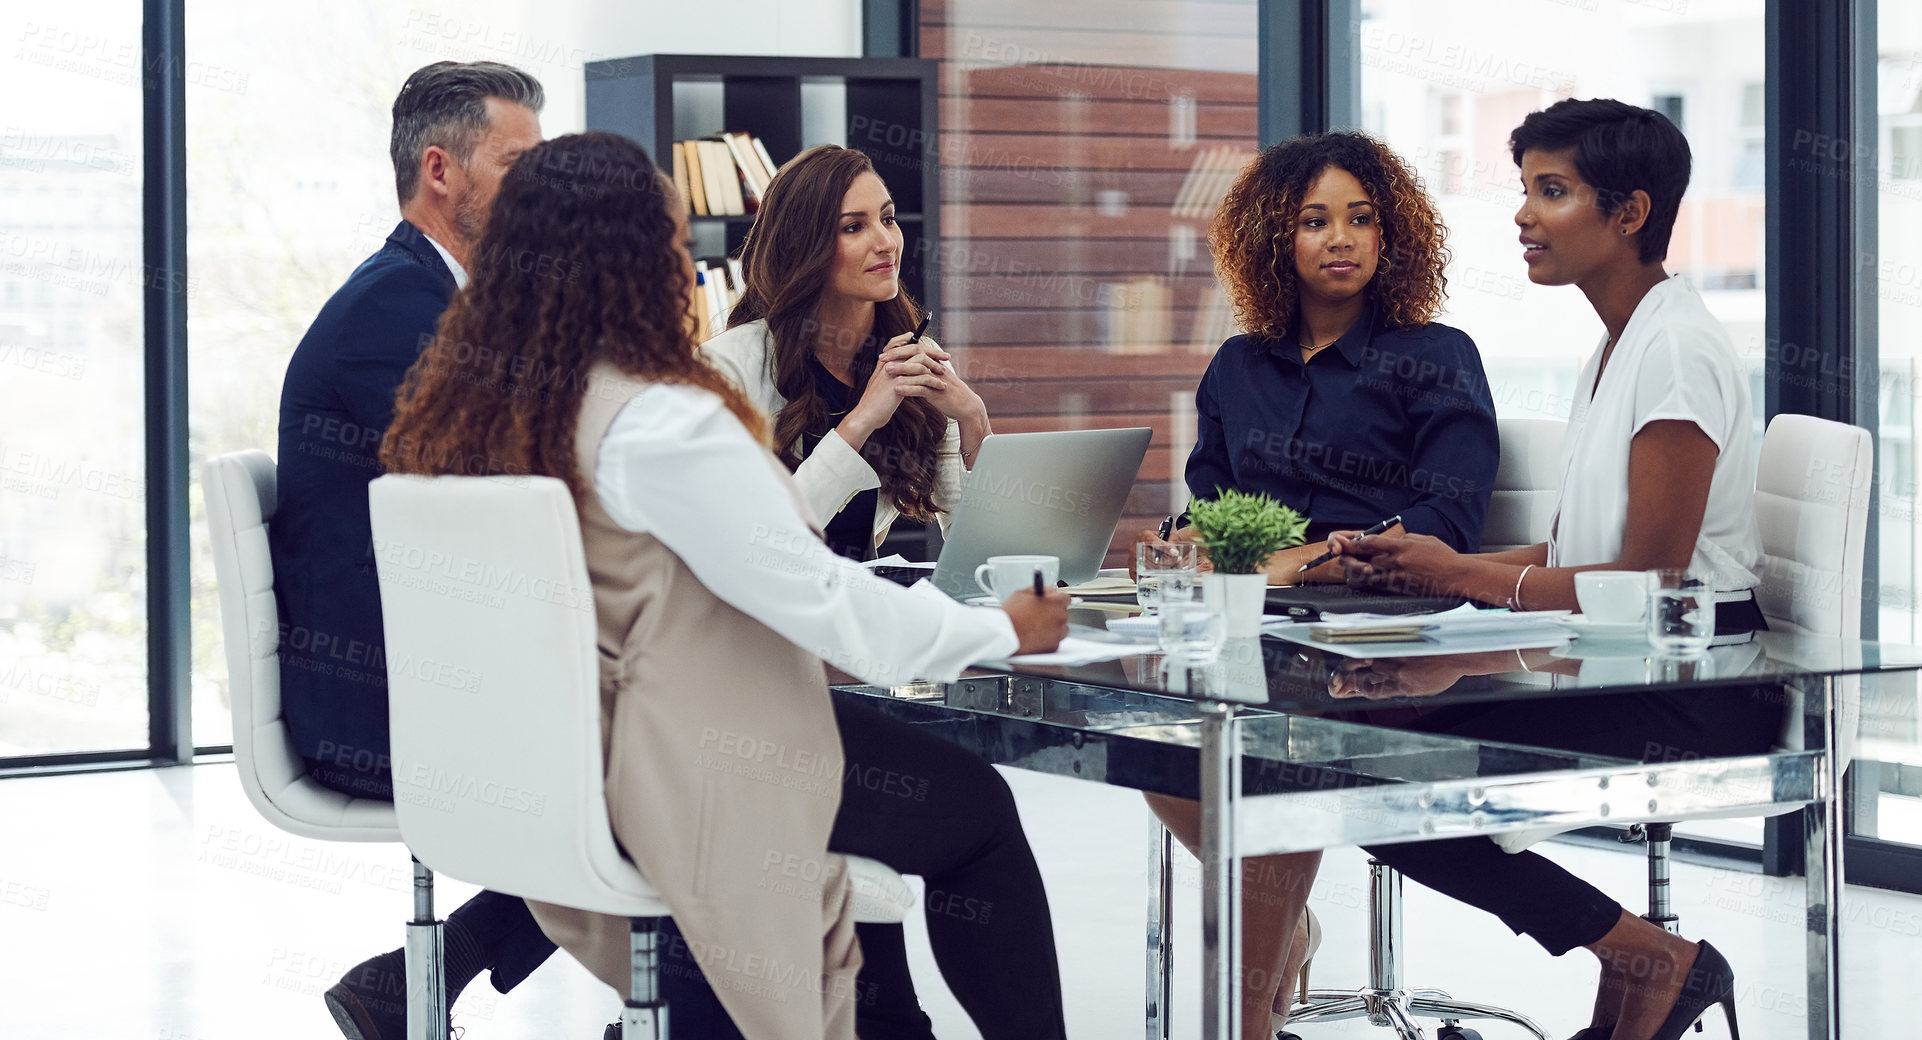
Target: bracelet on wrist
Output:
{"points": [[1515, 598]]}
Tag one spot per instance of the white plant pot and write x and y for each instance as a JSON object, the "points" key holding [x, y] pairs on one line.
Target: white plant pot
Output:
{"points": [[1239, 599]]}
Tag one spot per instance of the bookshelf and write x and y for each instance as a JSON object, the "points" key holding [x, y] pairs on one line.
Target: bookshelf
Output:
{"points": [[885, 107]]}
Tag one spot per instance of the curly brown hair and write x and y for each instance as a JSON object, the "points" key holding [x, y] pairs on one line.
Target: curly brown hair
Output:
{"points": [[1253, 235], [787, 259], [582, 263]]}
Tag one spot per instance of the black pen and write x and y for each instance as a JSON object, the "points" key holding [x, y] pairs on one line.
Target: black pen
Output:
{"points": [[1325, 557], [919, 329], [1038, 590], [1167, 528]]}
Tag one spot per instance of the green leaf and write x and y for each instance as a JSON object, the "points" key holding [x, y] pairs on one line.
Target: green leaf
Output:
{"points": [[1241, 530]]}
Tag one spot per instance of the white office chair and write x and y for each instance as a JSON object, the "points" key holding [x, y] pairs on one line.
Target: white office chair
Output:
{"points": [[1526, 483], [240, 494], [495, 707], [1519, 510], [1812, 507]]}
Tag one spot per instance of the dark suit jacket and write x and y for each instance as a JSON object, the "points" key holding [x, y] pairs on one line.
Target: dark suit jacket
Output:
{"points": [[334, 408]]}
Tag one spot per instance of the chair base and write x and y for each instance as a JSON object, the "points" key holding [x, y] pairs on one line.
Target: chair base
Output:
{"points": [[426, 964], [1398, 1009]]}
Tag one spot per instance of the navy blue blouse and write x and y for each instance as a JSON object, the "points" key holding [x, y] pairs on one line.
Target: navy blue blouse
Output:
{"points": [[1385, 421]]}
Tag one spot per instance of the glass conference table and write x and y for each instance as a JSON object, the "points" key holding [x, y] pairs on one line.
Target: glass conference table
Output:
{"points": [[1291, 748]]}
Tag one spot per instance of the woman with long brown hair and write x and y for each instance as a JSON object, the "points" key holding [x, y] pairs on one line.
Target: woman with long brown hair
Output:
{"points": [[570, 355], [874, 426]]}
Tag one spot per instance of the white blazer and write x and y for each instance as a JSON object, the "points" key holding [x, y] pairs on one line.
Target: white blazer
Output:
{"points": [[834, 472]]}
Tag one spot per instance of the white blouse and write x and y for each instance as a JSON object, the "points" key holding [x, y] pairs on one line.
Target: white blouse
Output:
{"points": [[1674, 361], [834, 472], [676, 464]]}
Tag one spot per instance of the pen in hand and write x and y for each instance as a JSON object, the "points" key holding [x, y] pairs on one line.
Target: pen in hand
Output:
{"points": [[1038, 589], [1325, 557], [919, 329], [1167, 528]]}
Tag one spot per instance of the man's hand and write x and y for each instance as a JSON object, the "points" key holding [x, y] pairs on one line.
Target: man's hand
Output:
{"points": [[1040, 622]]}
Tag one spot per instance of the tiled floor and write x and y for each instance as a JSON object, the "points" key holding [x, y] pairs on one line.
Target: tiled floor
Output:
{"points": [[157, 905]]}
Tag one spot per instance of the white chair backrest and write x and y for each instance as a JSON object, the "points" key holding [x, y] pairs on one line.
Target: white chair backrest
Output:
{"points": [[1525, 484], [240, 494], [1812, 506], [493, 686]]}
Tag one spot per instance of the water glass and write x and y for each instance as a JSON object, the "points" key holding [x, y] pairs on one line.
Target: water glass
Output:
{"points": [[1681, 612], [1189, 626], [1157, 565]]}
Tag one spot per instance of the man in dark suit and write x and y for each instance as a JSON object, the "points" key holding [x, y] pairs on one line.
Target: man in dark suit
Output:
{"points": [[457, 129]]}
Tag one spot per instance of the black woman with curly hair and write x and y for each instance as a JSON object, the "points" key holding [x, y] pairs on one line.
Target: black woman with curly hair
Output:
{"points": [[716, 603], [1346, 401]]}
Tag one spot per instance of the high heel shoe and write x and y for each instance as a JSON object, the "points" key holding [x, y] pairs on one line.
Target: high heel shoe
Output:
{"points": [[1278, 1022], [1710, 981], [1314, 943]]}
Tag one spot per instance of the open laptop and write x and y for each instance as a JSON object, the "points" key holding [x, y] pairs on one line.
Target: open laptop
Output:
{"points": [[1056, 494]]}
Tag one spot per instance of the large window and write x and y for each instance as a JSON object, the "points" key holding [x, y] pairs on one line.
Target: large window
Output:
{"points": [[1445, 91], [290, 187], [73, 626], [1888, 771]]}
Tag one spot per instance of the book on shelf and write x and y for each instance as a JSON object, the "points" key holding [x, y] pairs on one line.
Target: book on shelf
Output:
{"points": [[696, 186], [720, 285], [718, 171], [727, 173]]}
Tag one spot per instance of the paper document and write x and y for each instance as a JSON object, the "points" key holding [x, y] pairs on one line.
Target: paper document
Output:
{"points": [[1078, 650], [1103, 585], [897, 560], [1435, 642]]}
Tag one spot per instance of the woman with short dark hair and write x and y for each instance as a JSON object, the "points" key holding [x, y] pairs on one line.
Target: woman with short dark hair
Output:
{"points": [[1658, 472]]}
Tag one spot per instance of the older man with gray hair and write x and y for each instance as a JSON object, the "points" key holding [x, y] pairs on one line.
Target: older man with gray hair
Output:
{"points": [[457, 129]]}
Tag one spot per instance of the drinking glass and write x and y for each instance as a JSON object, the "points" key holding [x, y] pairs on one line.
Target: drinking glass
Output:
{"points": [[1189, 625], [1156, 565], [1681, 611]]}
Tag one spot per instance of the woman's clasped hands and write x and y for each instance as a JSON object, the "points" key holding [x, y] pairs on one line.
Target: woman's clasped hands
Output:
{"points": [[916, 369], [1412, 564]]}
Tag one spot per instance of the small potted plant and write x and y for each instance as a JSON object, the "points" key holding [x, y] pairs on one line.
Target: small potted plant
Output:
{"points": [[1240, 531]]}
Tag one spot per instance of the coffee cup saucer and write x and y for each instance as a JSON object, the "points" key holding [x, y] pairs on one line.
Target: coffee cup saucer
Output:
{"points": [[1587, 629]]}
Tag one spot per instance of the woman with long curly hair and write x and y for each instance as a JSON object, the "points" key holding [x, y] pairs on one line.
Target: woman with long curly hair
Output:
{"points": [[733, 780], [873, 426], [1344, 400]]}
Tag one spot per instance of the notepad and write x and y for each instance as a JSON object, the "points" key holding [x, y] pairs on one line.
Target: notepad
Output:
{"points": [[1402, 633]]}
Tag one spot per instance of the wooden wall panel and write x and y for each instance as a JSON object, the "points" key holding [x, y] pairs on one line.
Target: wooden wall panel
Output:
{"points": [[1070, 131]]}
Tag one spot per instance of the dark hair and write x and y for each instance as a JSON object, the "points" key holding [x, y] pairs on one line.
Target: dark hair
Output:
{"points": [[787, 259], [1253, 235], [1618, 149], [445, 104], [581, 263]]}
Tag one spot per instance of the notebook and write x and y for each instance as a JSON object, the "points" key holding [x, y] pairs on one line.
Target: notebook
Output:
{"points": [[1310, 602]]}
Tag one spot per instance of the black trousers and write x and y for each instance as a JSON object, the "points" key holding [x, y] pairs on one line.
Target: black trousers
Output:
{"points": [[924, 806], [500, 936], [1531, 894]]}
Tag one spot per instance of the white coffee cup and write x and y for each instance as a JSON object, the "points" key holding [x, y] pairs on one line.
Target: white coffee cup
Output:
{"points": [[1612, 597], [1003, 576]]}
